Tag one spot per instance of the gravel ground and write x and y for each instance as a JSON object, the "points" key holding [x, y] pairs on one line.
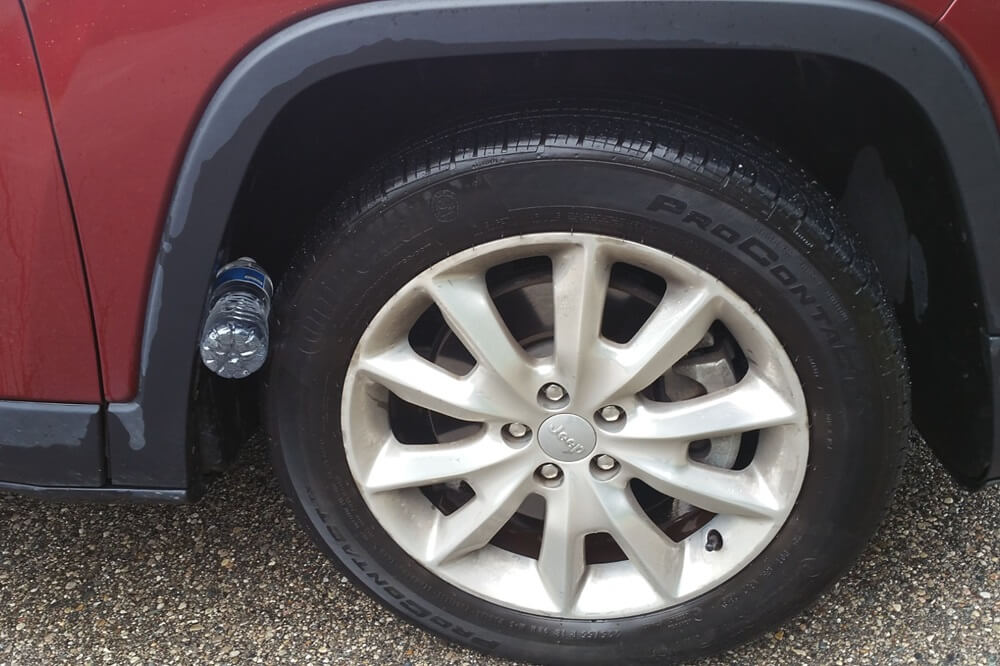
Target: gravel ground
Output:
{"points": [[234, 580]]}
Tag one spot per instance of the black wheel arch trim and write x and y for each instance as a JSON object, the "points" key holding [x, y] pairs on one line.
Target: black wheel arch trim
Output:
{"points": [[148, 441], [993, 473], [101, 494], [49, 444]]}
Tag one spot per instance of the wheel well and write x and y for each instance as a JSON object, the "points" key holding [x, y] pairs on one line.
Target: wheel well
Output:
{"points": [[853, 129]]}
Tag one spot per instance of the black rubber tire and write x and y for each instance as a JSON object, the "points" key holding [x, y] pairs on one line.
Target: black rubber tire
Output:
{"points": [[705, 193]]}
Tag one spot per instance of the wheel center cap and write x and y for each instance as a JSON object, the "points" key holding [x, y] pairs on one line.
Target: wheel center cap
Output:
{"points": [[567, 437]]}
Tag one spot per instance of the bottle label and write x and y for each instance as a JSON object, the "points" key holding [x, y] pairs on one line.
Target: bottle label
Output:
{"points": [[244, 274]]}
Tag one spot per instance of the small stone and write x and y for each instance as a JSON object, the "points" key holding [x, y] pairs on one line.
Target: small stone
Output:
{"points": [[986, 595], [949, 500], [71, 585]]}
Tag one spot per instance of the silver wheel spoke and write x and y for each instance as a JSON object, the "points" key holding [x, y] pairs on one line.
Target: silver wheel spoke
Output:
{"points": [[679, 322], [408, 466], [499, 491], [580, 277], [751, 404], [471, 314], [562, 562], [422, 383], [658, 559], [738, 492]]}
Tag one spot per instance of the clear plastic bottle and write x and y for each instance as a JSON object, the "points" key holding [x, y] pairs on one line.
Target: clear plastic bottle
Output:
{"points": [[235, 337]]}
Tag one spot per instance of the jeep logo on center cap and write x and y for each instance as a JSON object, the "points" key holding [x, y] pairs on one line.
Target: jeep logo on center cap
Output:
{"points": [[567, 437]]}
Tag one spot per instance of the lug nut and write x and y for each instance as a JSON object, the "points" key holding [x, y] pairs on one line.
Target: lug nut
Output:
{"points": [[554, 392], [611, 413], [605, 462], [517, 430], [549, 471]]}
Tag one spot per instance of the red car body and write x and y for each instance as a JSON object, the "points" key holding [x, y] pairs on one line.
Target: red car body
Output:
{"points": [[106, 65], [98, 107]]}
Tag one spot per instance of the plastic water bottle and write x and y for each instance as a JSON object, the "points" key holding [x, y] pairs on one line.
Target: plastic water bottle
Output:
{"points": [[234, 340]]}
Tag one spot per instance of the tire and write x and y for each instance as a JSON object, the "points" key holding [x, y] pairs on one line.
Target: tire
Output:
{"points": [[699, 194]]}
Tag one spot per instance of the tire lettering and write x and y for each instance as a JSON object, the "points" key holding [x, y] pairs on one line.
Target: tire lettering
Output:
{"points": [[758, 251], [784, 276], [803, 294], [404, 602], [725, 233], [378, 580], [820, 315], [703, 222], [668, 204], [415, 609]]}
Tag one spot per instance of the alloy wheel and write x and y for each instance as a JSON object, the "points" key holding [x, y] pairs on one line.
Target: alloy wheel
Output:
{"points": [[575, 425]]}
